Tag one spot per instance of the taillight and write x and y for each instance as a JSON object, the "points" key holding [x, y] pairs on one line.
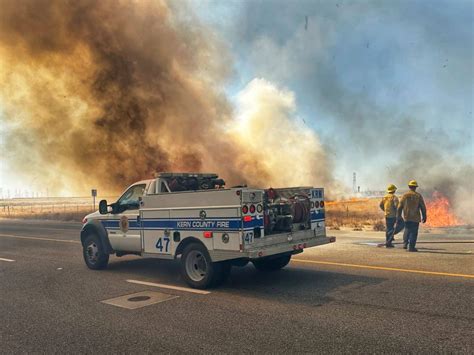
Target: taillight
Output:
{"points": [[316, 204], [84, 220], [247, 218], [259, 208], [252, 208], [321, 204], [207, 234], [245, 209]]}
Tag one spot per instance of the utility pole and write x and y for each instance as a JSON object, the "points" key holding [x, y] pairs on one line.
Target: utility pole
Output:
{"points": [[354, 183]]}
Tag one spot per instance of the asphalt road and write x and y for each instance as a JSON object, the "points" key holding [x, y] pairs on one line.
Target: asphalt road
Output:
{"points": [[347, 297]]}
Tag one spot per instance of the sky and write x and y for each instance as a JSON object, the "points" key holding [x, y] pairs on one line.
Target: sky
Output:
{"points": [[374, 79], [385, 87]]}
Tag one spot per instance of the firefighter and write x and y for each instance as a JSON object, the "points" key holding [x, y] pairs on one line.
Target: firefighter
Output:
{"points": [[411, 204], [389, 205]]}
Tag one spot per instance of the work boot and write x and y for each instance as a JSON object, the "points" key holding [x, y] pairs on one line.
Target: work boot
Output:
{"points": [[390, 246], [412, 249], [405, 246]]}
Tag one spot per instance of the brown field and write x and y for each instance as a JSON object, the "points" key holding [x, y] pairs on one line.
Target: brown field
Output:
{"points": [[357, 214], [53, 208], [360, 214]]}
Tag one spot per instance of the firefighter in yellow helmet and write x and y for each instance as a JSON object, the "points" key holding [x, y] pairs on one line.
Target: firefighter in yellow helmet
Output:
{"points": [[411, 204], [389, 205]]}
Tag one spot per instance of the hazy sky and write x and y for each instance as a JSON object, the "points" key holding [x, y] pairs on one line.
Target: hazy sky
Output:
{"points": [[375, 79]]}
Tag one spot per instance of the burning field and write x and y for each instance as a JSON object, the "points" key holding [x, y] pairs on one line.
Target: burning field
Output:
{"points": [[353, 214], [365, 214], [440, 212]]}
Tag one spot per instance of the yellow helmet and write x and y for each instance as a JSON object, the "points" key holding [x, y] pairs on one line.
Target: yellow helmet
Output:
{"points": [[391, 188], [413, 183]]}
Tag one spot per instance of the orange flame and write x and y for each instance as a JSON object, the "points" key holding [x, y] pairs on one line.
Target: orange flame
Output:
{"points": [[439, 212]]}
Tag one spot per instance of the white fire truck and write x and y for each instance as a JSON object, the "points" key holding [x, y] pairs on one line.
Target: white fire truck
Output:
{"points": [[210, 228]]}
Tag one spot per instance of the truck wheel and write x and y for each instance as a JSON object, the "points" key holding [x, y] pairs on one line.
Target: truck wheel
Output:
{"points": [[198, 270], [272, 264], [93, 253]]}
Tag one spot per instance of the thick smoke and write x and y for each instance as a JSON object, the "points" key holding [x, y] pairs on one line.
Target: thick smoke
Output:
{"points": [[395, 92], [104, 93], [285, 145]]}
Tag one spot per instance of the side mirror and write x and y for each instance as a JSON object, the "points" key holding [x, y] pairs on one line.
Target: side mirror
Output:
{"points": [[103, 207]]}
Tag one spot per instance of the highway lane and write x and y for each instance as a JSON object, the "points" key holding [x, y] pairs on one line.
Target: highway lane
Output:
{"points": [[50, 302]]}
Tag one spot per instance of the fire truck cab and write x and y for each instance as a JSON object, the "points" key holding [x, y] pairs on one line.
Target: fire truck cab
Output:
{"points": [[209, 228]]}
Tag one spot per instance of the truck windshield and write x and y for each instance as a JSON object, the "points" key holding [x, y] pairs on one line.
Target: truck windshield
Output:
{"points": [[130, 198]]}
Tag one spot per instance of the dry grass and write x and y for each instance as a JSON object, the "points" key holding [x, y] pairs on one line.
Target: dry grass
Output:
{"points": [[379, 226], [357, 214], [59, 209], [360, 214]]}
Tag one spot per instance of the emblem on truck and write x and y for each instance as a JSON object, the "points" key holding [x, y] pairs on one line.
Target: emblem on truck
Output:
{"points": [[124, 224], [203, 214]]}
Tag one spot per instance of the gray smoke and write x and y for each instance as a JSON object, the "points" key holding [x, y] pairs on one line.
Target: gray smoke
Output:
{"points": [[346, 66]]}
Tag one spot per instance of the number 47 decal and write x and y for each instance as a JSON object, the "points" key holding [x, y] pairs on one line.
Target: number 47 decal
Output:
{"points": [[163, 243]]}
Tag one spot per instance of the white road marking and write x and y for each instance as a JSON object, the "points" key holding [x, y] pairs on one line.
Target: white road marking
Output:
{"points": [[9, 260], [171, 287], [37, 238]]}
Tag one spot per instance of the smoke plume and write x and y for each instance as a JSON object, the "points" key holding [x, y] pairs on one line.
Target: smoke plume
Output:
{"points": [[395, 92], [266, 125], [104, 93]]}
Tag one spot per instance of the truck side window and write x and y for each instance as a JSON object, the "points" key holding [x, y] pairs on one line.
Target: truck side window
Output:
{"points": [[164, 189], [130, 199]]}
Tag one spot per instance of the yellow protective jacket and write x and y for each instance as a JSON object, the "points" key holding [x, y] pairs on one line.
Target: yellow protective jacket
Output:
{"points": [[389, 205], [411, 204]]}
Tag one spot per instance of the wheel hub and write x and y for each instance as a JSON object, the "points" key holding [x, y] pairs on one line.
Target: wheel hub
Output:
{"points": [[196, 266], [92, 252]]}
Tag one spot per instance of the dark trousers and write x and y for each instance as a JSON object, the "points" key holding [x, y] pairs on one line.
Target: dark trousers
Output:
{"points": [[390, 223], [411, 234]]}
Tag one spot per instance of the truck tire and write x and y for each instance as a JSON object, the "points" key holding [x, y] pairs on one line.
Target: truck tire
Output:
{"points": [[94, 254], [272, 264], [198, 270]]}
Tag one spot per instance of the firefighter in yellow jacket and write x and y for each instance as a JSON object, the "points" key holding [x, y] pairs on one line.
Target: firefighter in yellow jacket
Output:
{"points": [[389, 205], [411, 204]]}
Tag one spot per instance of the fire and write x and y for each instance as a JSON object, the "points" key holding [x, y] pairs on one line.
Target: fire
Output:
{"points": [[439, 212]]}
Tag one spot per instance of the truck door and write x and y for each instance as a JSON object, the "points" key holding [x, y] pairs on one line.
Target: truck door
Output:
{"points": [[124, 233]]}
